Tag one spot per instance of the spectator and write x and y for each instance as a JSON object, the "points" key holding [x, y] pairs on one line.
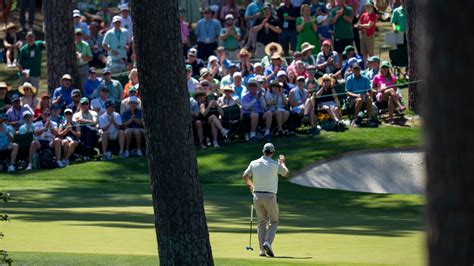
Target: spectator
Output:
{"points": [[227, 99], [224, 63], [287, 14], [114, 86], [125, 19], [327, 99], [196, 117], [276, 102], [76, 98], [83, 56], [210, 111], [366, 25], [212, 84], [298, 3], [230, 37], [116, 42], [109, 124], [132, 82], [298, 99], [132, 92], [328, 61], [133, 123], [62, 94], [228, 79], [349, 53], [307, 54], [385, 84], [184, 29], [29, 60], [6, 7], [267, 28], [277, 65], [283, 79], [307, 29], [238, 87], [207, 31], [70, 133], [31, 5], [213, 68], [252, 13], [358, 89], [56, 114], [341, 17], [191, 82], [318, 7], [11, 45], [95, 41], [46, 137], [28, 126], [300, 69], [325, 29], [80, 25], [245, 66], [90, 86], [253, 106], [373, 64], [87, 120], [270, 49], [4, 101], [28, 98], [257, 71], [230, 8], [311, 81], [15, 113], [98, 104], [399, 21], [195, 62], [45, 103], [6, 142]]}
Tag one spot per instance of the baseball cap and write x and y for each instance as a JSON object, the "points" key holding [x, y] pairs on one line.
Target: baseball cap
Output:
{"points": [[268, 147], [78, 31], [84, 100], [300, 78], [109, 103], [133, 99], [281, 73], [92, 70], [75, 91], [116, 19], [258, 64], [123, 7], [355, 65], [27, 112], [105, 70], [189, 67], [252, 81], [229, 16], [275, 83], [212, 58], [68, 110], [14, 97], [327, 42], [374, 59], [76, 14], [192, 51], [237, 74], [348, 49], [132, 89], [94, 24], [267, 5], [385, 64], [66, 76]]}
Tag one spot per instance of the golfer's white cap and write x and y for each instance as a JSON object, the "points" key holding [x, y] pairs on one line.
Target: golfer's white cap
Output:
{"points": [[268, 147]]}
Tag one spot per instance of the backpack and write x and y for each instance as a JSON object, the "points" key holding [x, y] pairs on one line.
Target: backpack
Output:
{"points": [[46, 159]]}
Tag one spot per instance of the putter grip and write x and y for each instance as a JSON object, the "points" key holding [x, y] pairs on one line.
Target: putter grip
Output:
{"points": [[251, 212]]}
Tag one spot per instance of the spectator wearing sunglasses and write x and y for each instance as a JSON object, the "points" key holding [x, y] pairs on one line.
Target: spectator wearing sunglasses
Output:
{"points": [[70, 133]]}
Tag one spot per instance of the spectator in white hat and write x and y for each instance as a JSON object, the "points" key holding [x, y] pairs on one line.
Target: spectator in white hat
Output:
{"points": [[194, 62], [132, 120], [28, 126], [239, 88], [79, 24], [116, 41], [230, 37], [126, 19], [70, 133], [109, 124]]}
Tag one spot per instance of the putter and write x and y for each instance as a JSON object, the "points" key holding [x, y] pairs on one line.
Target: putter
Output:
{"points": [[249, 247]]}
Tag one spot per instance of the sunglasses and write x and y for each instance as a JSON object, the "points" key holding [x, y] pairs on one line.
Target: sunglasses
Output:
{"points": [[300, 80], [68, 113], [205, 85], [47, 114], [84, 103]]}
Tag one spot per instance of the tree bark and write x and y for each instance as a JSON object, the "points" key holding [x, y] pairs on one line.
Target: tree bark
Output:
{"points": [[60, 48], [412, 21], [180, 221], [449, 127]]}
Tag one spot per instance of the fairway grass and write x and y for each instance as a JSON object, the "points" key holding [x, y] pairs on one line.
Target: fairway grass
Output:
{"points": [[99, 213]]}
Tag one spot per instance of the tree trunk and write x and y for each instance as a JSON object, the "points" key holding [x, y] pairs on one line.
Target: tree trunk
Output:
{"points": [[412, 18], [449, 126], [180, 221], [60, 48]]}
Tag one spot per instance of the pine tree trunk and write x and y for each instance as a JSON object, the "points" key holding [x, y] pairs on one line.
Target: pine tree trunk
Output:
{"points": [[446, 62], [180, 221], [412, 18], [60, 48]]}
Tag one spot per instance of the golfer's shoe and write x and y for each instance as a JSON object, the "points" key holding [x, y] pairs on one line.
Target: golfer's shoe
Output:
{"points": [[262, 253], [268, 249]]}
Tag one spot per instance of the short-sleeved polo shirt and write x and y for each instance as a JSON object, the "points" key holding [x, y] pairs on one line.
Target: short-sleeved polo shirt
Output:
{"points": [[265, 173]]}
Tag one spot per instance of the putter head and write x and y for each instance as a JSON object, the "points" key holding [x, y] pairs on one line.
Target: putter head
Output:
{"points": [[249, 248]]}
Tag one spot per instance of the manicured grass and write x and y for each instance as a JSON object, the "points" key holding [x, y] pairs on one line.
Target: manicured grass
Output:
{"points": [[73, 216]]}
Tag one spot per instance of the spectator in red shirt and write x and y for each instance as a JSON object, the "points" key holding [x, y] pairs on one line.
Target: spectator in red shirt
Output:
{"points": [[366, 26]]}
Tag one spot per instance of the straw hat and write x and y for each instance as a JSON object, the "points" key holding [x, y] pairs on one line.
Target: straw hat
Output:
{"points": [[326, 77], [273, 44], [227, 88], [4, 85], [33, 89], [243, 52], [11, 26], [203, 72], [306, 46], [277, 56]]}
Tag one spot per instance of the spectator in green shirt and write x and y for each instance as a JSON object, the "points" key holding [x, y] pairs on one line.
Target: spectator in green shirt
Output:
{"points": [[83, 55], [341, 17], [399, 22], [29, 60]]}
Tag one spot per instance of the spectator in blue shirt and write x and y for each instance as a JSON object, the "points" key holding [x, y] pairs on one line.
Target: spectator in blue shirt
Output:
{"points": [[62, 94], [91, 84], [132, 121], [271, 71], [207, 32], [253, 106], [359, 91]]}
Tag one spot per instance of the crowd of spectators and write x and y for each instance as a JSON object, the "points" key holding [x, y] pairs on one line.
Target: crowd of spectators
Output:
{"points": [[256, 72]]}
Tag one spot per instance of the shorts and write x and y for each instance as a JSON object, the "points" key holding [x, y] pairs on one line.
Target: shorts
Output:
{"points": [[135, 130], [111, 134], [330, 104], [340, 44], [247, 117]]}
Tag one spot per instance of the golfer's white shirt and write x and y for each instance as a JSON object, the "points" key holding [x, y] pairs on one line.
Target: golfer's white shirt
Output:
{"points": [[265, 172]]}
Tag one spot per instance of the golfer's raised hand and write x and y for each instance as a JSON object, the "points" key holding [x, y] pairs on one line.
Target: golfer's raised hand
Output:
{"points": [[281, 159]]}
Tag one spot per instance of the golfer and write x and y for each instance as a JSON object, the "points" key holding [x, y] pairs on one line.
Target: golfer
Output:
{"points": [[264, 186]]}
